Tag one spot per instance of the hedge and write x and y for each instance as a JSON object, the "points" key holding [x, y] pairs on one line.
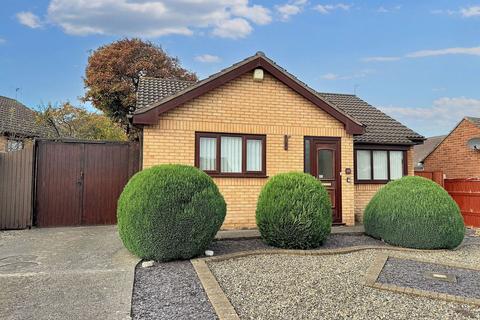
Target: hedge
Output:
{"points": [[294, 211], [169, 212], [414, 212]]}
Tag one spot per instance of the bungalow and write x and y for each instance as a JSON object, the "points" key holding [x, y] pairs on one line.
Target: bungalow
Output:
{"points": [[254, 120], [18, 126]]}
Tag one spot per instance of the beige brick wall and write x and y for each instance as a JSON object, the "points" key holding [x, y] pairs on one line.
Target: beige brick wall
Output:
{"points": [[365, 192], [245, 106], [453, 157]]}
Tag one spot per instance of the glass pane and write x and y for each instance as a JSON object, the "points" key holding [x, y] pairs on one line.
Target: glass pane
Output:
{"points": [[14, 145], [231, 157], [380, 166], [396, 164], [325, 164], [254, 155], [363, 165], [208, 154], [306, 157]]}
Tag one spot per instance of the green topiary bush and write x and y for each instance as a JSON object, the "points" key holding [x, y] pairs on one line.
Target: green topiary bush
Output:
{"points": [[414, 212], [294, 211], [169, 212]]}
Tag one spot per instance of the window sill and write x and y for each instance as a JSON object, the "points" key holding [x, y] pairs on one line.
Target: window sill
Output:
{"points": [[372, 181], [260, 176]]}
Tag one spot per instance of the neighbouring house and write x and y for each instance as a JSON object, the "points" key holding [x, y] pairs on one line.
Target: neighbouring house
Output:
{"points": [[454, 155], [421, 151], [18, 125], [254, 120]]}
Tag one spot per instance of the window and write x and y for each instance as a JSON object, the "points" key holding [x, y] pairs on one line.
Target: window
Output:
{"points": [[379, 166], [363, 168], [233, 155], [14, 145]]}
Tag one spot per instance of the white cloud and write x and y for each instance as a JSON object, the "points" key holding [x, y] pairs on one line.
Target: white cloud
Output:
{"points": [[473, 51], [383, 9], [154, 18], [381, 59], [334, 76], [233, 28], [290, 9], [255, 13], [447, 51], [29, 19], [441, 11], [207, 58], [473, 11], [330, 76], [327, 8], [438, 118], [2, 41], [470, 11]]}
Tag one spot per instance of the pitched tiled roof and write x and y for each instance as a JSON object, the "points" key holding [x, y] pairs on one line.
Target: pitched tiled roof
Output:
{"points": [[380, 128], [154, 89], [16, 118], [476, 121], [421, 151]]}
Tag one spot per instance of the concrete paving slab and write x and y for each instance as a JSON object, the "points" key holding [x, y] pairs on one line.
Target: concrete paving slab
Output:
{"points": [[65, 273]]}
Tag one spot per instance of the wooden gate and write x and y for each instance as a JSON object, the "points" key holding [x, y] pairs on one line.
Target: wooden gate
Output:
{"points": [[466, 193], [16, 188], [78, 183]]}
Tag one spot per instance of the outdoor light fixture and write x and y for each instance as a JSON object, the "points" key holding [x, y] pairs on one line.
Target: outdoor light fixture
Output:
{"points": [[258, 74], [285, 142]]}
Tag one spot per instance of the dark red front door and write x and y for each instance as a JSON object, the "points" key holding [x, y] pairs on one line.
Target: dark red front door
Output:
{"points": [[325, 166]]}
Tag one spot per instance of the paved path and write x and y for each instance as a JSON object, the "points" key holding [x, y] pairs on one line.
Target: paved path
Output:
{"points": [[254, 233], [65, 273]]}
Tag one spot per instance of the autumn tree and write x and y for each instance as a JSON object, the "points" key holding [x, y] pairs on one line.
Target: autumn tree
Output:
{"points": [[113, 72], [69, 121]]}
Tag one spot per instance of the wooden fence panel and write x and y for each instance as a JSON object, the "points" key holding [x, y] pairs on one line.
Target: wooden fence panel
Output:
{"points": [[436, 176], [16, 188], [466, 193]]}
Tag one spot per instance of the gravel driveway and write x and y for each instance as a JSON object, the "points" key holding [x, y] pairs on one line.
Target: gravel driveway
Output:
{"points": [[172, 290], [330, 287]]}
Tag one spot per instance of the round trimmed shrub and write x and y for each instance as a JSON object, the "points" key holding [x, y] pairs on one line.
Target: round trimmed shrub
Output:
{"points": [[414, 212], [169, 212], [294, 211]]}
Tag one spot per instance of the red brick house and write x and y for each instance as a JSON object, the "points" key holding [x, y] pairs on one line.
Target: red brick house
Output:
{"points": [[453, 156]]}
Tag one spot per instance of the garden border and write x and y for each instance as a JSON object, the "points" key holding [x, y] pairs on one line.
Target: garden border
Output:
{"points": [[376, 268], [226, 311]]}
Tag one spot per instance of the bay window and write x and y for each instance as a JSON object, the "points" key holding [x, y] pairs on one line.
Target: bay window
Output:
{"points": [[379, 165], [235, 155]]}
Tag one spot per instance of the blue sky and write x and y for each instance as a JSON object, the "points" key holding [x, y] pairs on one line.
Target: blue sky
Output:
{"points": [[419, 61]]}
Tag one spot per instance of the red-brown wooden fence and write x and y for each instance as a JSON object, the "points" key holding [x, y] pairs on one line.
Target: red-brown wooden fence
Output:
{"points": [[466, 193], [436, 176], [16, 188]]}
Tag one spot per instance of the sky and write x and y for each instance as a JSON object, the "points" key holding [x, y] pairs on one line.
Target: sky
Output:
{"points": [[418, 61]]}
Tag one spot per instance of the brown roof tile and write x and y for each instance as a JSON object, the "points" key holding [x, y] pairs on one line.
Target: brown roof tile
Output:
{"points": [[380, 128], [421, 151]]}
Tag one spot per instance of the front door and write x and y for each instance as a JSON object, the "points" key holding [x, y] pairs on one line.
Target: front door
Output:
{"points": [[325, 166]]}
